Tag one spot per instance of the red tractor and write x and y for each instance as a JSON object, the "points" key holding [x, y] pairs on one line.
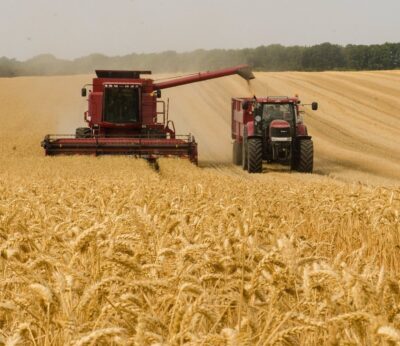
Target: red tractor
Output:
{"points": [[125, 117], [271, 129]]}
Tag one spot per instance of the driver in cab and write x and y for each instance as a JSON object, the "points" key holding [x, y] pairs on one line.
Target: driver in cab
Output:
{"points": [[272, 112]]}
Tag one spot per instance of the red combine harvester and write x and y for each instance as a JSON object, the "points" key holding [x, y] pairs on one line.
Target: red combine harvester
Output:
{"points": [[271, 129], [124, 117]]}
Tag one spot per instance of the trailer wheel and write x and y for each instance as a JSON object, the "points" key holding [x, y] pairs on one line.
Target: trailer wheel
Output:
{"points": [[254, 155], [237, 153], [305, 156], [83, 132], [245, 163]]}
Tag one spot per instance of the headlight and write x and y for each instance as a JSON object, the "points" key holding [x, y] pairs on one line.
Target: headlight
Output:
{"points": [[257, 118]]}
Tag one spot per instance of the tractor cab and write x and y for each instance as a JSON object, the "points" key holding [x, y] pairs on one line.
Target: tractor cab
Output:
{"points": [[277, 111], [268, 112], [275, 121]]}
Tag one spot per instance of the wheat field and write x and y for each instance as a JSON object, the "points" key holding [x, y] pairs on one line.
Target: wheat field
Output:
{"points": [[100, 251]]}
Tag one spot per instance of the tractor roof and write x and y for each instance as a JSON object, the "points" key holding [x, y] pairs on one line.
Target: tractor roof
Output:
{"points": [[271, 99], [276, 99]]}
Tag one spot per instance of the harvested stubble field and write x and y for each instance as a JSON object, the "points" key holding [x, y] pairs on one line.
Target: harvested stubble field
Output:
{"points": [[107, 251]]}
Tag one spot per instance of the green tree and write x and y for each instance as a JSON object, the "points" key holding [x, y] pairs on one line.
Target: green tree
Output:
{"points": [[322, 57]]}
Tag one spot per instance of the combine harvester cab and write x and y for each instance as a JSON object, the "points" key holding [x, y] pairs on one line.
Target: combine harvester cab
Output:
{"points": [[271, 129], [126, 117]]}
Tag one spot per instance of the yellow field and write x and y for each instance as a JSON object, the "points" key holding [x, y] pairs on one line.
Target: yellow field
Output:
{"points": [[107, 251]]}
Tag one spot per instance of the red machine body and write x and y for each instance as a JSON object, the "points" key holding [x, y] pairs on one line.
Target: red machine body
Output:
{"points": [[126, 117], [245, 117], [270, 129]]}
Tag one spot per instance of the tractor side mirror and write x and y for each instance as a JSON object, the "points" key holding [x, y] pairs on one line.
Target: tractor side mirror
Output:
{"points": [[246, 105], [158, 93], [314, 106], [83, 92]]}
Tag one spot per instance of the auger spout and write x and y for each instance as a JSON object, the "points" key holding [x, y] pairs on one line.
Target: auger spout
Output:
{"points": [[242, 70]]}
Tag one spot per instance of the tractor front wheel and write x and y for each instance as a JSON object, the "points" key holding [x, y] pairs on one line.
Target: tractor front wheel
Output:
{"points": [[254, 155], [305, 156]]}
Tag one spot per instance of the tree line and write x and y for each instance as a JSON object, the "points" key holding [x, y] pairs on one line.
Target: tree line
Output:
{"points": [[321, 57]]}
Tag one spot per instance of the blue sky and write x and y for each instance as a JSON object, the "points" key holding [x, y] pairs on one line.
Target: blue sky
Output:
{"points": [[74, 28]]}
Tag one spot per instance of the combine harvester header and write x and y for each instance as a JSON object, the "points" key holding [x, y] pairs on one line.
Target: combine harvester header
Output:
{"points": [[125, 117]]}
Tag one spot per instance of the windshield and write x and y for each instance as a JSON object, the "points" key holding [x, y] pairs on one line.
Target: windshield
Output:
{"points": [[278, 111], [121, 105]]}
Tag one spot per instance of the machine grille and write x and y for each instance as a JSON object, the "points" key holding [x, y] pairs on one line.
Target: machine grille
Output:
{"points": [[280, 132]]}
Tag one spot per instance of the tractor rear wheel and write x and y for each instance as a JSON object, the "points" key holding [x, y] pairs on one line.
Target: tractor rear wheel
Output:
{"points": [[83, 132], [305, 159], [237, 153], [254, 158]]}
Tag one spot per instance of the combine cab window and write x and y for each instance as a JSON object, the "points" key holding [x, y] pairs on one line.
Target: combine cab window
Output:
{"points": [[121, 104]]}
